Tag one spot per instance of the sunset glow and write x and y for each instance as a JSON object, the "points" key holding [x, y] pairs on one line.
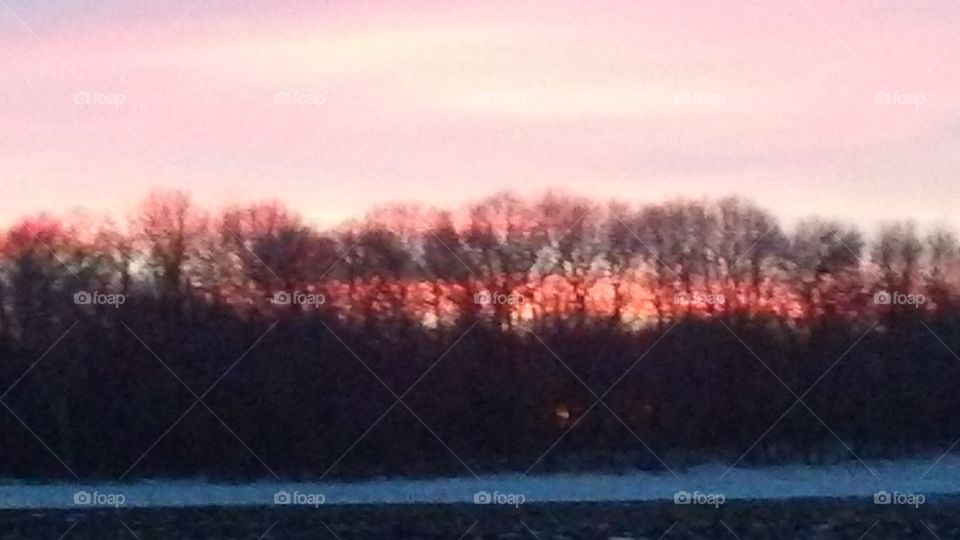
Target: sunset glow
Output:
{"points": [[337, 107]]}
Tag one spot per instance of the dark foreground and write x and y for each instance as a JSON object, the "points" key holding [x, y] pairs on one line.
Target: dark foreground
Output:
{"points": [[821, 519]]}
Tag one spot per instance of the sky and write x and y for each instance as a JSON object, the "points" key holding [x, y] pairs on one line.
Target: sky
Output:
{"points": [[849, 109]]}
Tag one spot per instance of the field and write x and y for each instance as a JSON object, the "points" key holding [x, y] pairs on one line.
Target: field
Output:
{"points": [[805, 519]]}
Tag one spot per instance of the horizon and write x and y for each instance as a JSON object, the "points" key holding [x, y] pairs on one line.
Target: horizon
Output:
{"points": [[424, 216]]}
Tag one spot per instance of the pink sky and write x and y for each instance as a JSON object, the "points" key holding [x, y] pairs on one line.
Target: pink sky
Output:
{"points": [[334, 107]]}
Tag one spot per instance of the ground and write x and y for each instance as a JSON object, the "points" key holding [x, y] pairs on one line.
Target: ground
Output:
{"points": [[839, 519]]}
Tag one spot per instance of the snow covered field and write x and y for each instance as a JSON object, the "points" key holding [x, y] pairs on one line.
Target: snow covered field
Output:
{"points": [[906, 477]]}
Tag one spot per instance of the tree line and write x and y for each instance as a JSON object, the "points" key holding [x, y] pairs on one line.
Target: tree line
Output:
{"points": [[515, 334]]}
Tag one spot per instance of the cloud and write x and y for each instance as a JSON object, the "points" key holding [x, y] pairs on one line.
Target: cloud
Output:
{"points": [[441, 98]]}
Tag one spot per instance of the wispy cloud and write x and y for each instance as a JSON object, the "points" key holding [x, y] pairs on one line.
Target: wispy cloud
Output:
{"points": [[334, 108]]}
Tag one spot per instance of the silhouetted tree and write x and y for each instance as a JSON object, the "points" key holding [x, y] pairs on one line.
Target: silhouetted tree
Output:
{"points": [[405, 307]]}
